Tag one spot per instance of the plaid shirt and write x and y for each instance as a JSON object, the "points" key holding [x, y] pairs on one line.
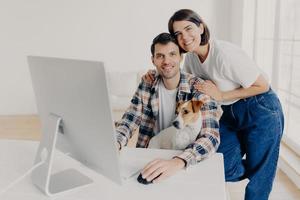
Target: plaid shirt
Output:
{"points": [[143, 113]]}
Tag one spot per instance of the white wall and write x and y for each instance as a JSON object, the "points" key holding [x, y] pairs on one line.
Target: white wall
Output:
{"points": [[236, 21], [242, 23], [116, 32]]}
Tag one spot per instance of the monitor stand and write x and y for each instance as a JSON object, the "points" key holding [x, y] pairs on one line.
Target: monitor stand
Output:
{"points": [[63, 181]]}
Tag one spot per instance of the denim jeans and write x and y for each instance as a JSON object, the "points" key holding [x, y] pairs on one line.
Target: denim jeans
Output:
{"points": [[252, 127]]}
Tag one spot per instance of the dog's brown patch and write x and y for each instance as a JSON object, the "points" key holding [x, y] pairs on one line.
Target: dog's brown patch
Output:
{"points": [[188, 110], [196, 105]]}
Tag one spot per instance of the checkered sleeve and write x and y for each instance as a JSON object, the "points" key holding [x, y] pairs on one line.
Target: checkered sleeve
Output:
{"points": [[132, 117], [208, 140]]}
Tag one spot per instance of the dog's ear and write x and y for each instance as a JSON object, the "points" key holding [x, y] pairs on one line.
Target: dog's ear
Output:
{"points": [[178, 103], [177, 106], [196, 105]]}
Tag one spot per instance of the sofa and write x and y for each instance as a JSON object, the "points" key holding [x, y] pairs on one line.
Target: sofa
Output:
{"points": [[121, 86]]}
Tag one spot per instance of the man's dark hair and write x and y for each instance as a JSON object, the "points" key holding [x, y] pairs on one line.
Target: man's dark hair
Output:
{"points": [[192, 16], [163, 38]]}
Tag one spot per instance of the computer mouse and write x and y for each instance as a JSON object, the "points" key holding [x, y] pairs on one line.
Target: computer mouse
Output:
{"points": [[144, 181]]}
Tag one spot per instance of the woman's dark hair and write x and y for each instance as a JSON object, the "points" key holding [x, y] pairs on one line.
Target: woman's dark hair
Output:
{"points": [[189, 15], [163, 38]]}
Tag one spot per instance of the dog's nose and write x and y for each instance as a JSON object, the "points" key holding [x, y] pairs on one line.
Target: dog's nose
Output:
{"points": [[176, 124]]}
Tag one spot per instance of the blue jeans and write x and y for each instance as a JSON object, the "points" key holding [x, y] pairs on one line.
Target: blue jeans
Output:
{"points": [[252, 127]]}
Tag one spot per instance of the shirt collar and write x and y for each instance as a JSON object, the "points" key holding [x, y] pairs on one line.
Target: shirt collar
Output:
{"points": [[183, 87]]}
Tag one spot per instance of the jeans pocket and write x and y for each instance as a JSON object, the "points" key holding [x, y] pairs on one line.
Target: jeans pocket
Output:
{"points": [[268, 102]]}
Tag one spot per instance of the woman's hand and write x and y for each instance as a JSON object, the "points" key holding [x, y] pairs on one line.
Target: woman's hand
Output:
{"points": [[149, 76], [209, 88], [162, 169]]}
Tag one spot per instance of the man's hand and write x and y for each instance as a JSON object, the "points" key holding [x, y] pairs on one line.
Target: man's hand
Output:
{"points": [[119, 146], [162, 168]]}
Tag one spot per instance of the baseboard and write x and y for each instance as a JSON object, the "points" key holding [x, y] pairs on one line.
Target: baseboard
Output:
{"points": [[289, 163]]}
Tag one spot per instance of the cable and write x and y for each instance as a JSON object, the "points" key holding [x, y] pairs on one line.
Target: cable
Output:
{"points": [[13, 183], [21, 177]]}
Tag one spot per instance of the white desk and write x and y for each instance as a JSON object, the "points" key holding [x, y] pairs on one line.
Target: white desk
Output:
{"points": [[202, 181]]}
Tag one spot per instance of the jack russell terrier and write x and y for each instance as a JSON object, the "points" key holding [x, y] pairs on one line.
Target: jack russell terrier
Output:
{"points": [[184, 130]]}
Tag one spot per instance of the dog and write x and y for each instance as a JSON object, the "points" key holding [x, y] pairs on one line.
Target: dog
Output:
{"points": [[184, 130]]}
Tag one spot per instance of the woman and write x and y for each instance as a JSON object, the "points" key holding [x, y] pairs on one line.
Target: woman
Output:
{"points": [[252, 120]]}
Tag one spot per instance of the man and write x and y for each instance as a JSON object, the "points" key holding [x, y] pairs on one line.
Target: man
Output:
{"points": [[153, 106]]}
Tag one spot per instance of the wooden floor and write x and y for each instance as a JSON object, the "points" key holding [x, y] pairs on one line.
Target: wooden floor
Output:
{"points": [[28, 127], [283, 189]]}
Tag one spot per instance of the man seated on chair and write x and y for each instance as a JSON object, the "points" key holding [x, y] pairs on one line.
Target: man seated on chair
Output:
{"points": [[152, 109]]}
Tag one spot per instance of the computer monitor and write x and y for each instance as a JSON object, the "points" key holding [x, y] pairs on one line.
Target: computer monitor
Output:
{"points": [[73, 105]]}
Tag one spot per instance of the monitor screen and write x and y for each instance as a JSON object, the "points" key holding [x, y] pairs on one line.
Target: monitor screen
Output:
{"points": [[73, 104]]}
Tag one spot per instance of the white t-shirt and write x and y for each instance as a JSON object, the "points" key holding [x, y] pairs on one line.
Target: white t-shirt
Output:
{"points": [[167, 106], [226, 65]]}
